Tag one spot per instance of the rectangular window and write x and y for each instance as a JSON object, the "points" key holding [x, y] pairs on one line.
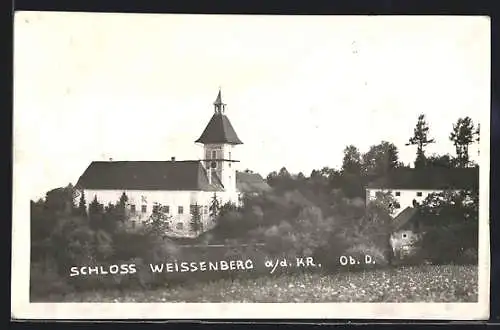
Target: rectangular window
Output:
{"points": [[419, 194], [214, 154], [179, 225], [180, 210], [155, 208], [165, 209], [132, 208], [398, 193], [144, 208]]}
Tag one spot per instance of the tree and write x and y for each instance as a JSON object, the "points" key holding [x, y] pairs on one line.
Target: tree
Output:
{"points": [[158, 222], [380, 158], [196, 224], [445, 161], [214, 207], [386, 201], [477, 134], [82, 205], [96, 214], [271, 178], [61, 200], [421, 139], [462, 136], [281, 180], [121, 208], [351, 162], [450, 223]]}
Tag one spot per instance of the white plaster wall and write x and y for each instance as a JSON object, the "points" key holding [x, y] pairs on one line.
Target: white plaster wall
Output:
{"points": [[225, 170], [173, 199], [405, 198]]}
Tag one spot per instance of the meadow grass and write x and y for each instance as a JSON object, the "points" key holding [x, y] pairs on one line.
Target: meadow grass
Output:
{"points": [[429, 283]]}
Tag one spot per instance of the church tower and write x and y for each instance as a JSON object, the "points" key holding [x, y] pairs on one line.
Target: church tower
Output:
{"points": [[219, 140]]}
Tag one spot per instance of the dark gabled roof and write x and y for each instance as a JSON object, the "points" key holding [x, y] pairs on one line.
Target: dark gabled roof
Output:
{"points": [[432, 178], [148, 175], [219, 130], [406, 216], [251, 183]]}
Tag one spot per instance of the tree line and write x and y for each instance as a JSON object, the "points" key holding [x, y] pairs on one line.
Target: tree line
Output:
{"points": [[358, 168]]}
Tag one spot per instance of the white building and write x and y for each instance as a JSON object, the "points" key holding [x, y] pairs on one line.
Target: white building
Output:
{"points": [[178, 186], [409, 185]]}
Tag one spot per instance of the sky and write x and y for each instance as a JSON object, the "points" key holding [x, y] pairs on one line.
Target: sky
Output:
{"points": [[298, 89]]}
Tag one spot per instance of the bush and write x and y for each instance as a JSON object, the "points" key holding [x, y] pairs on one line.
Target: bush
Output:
{"points": [[45, 281], [448, 245], [360, 252]]}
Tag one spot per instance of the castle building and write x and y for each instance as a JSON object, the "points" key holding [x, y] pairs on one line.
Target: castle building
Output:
{"points": [[177, 187]]}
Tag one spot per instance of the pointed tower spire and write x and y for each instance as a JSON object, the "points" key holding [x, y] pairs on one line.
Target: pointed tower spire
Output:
{"points": [[219, 129], [219, 106]]}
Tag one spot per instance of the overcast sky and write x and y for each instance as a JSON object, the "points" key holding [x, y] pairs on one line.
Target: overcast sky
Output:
{"points": [[299, 89]]}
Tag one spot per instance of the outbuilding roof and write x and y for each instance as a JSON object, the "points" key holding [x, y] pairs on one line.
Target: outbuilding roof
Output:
{"points": [[432, 178]]}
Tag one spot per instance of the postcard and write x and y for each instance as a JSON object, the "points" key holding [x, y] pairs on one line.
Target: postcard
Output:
{"points": [[193, 167]]}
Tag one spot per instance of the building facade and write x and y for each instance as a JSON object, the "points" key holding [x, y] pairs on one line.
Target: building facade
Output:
{"points": [[177, 189], [410, 186]]}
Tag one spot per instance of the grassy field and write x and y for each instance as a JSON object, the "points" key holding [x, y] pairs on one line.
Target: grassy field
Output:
{"points": [[410, 284]]}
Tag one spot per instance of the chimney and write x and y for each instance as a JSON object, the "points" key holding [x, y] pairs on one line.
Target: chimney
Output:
{"points": [[173, 159]]}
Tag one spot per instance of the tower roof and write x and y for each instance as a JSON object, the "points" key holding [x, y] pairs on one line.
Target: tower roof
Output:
{"points": [[219, 128]]}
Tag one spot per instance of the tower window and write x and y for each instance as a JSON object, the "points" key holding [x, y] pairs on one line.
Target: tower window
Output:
{"points": [[214, 154]]}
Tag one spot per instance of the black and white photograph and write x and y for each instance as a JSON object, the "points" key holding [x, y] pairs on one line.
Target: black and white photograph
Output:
{"points": [[244, 166]]}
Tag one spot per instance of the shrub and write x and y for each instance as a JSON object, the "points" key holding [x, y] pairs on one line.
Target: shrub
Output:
{"points": [[45, 281], [360, 252]]}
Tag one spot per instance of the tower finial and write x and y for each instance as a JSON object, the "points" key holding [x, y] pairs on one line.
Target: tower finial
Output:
{"points": [[218, 104]]}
